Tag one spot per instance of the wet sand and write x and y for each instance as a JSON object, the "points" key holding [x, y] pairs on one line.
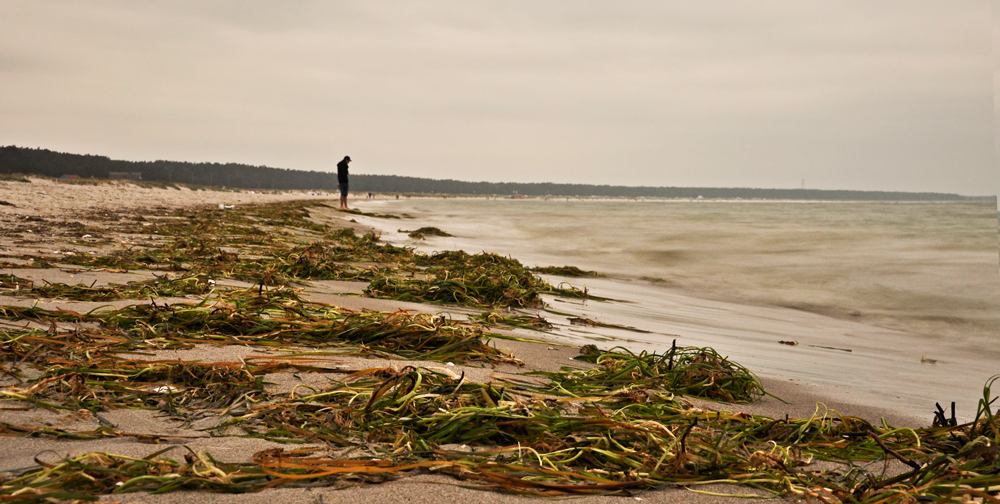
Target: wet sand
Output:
{"points": [[147, 432]]}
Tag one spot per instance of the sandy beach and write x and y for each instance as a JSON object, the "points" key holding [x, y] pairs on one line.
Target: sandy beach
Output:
{"points": [[53, 220]]}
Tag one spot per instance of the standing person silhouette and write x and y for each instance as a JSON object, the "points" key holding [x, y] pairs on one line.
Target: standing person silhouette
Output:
{"points": [[342, 181]]}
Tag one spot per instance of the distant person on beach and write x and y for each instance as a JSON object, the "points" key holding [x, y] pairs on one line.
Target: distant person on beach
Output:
{"points": [[342, 181]]}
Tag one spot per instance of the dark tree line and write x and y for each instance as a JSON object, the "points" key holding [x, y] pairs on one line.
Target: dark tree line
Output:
{"points": [[56, 164], [395, 183]]}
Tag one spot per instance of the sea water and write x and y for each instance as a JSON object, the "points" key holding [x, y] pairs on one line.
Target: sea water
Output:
{"points": [[891, 304]]}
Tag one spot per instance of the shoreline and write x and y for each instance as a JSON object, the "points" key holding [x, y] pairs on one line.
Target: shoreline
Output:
{"points": [[903, 366], [537, 356], [805, 397]]}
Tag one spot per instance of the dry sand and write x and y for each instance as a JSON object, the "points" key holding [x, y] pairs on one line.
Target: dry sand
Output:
{"points": [[50, 198], [34, 223]]}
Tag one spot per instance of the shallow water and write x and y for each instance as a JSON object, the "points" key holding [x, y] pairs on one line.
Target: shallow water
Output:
{"points": [[894, 283]]}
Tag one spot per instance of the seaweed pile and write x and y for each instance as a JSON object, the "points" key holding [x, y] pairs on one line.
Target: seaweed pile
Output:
{"points": [[164, 286], [457, 277], [278, 245], [615, 422], [425, 231], [623, 424], [566, 271]]}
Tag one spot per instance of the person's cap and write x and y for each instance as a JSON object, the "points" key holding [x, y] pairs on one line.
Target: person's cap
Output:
{"points": [[347, 158]]}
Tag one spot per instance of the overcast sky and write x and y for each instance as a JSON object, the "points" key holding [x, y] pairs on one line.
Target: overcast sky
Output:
{"points": [[996, 95], [871, 95]]}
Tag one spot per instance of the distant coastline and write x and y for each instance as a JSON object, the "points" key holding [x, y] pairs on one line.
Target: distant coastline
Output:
{"points": [[29, 161]]}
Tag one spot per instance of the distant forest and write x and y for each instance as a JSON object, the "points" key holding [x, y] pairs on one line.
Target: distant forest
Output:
{"points": [[56, 164]]}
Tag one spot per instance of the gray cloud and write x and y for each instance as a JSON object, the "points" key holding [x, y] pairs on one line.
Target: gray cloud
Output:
{"points": [[859, 95]]}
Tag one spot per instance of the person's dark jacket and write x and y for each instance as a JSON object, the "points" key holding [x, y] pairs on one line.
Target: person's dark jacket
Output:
{"points": [[342, 172]]}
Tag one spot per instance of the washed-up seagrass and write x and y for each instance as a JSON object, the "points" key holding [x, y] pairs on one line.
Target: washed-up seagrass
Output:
{"points": [[614, 422]]}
